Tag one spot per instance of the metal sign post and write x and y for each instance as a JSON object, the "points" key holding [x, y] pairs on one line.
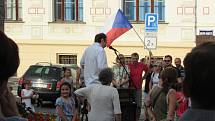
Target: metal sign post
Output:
{"points": [[151, 28], [150, 42]]}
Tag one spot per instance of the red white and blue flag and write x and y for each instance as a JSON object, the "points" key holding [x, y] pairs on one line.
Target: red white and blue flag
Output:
{"points": [[117, 25]]}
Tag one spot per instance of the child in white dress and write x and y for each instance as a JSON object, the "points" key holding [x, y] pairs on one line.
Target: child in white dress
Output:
{"points": [[27, 94]]}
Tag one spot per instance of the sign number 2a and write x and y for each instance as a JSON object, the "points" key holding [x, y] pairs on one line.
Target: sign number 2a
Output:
{"points": [[150, 42]]}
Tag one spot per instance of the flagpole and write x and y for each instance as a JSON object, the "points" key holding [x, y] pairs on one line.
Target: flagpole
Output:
{"points": [[150, 52], [139, 36]]}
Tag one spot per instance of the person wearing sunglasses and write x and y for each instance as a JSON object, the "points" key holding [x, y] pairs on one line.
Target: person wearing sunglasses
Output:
{"points": [[168, 63], [157, 68]]}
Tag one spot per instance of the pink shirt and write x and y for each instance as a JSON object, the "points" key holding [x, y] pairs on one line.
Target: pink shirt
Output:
{"points": [[136, 71]]}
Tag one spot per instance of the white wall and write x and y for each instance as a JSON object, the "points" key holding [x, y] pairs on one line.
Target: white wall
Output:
{"points": [[175, 35]]}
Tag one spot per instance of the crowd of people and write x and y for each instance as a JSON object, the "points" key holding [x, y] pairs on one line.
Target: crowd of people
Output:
{"points": [[167, 91]]}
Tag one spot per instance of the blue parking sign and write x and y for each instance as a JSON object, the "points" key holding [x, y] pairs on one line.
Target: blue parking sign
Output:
{"points": [[151, 22]]}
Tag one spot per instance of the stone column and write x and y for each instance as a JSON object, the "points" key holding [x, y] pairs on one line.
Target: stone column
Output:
{"points": [[2, 15]]}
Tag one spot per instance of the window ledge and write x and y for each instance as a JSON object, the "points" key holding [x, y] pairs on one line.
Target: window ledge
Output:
{"points": [[13, 21], [143, 22], [67, 22]]}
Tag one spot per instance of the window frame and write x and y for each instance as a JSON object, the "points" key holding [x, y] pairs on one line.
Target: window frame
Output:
{"points": [[72, 56], [75, 8], [162, 8], [152, 8], [17, 17]]}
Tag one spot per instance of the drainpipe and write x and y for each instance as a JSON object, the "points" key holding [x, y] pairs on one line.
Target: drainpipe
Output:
{"points": [[195, 26], [2, 15]]}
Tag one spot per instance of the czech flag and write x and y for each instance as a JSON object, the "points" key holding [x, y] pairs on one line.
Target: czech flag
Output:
{"points": [[117, 25]]}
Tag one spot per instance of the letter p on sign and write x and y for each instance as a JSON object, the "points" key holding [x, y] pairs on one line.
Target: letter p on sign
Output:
{"points": [[151, 20]]}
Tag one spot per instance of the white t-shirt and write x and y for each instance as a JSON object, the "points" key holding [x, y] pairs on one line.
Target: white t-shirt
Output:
{"points": [[155, 78], [27, 102], [104, 101]]}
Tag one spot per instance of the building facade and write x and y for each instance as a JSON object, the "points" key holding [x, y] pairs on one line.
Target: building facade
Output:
{"points": [[58, 31]]}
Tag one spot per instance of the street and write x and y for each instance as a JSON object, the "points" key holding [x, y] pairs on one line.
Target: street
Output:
{"points": [[47, 107]]}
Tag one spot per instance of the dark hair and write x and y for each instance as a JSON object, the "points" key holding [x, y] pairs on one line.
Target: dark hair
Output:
{"points": [[168, 56], [142, 60], [200, 75], [26, 82], [99, 37], [135, 54], [66, 84], [151, 66], [169, 78], [9, 58], [179, 87], [120, 56], [106, 76], [66, 69]]}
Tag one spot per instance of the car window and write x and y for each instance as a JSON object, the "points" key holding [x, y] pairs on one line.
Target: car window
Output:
{"points": [[51, 72], [38, 70], [34, 71], [46, 71]]}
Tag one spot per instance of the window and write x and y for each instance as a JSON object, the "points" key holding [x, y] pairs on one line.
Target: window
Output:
{"points": [[67, 59], [13, 9], [159, 8], [51, 72], [68, 10], [135, 10]]}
